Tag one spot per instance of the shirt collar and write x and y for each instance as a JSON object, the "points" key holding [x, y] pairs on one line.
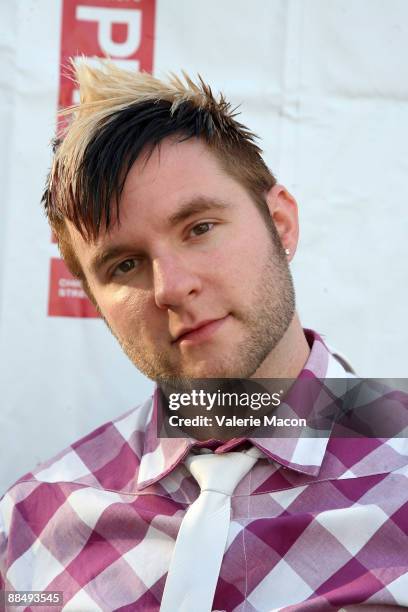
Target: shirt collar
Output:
{"points": [[304, 455]]}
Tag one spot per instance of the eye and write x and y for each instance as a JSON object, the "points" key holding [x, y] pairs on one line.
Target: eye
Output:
{"points": [[202, 228], [125, 266]]}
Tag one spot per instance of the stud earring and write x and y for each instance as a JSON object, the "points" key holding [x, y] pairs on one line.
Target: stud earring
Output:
{"points": [[287, 251]]}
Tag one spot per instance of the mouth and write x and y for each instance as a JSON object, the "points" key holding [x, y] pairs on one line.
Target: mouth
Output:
{"points": [[202, 332]]}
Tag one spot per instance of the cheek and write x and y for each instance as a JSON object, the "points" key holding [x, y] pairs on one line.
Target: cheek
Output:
{"points": [[243, 260], [124, 310]]}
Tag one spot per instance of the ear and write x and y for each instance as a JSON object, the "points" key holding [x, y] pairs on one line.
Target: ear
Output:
{"points": [[284, 212]]}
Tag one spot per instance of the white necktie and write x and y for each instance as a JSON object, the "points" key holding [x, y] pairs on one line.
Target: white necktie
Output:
{"points": [[200, 545]]}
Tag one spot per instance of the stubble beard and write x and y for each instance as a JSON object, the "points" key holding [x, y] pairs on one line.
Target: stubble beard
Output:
{"points": [[272, 310]]}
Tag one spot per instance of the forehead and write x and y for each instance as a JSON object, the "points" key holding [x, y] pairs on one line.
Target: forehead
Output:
{"points": [[173, 174], [174, 171]]}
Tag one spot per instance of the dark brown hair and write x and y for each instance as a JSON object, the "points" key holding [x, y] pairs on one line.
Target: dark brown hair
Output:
{"points": [[121, 115]]}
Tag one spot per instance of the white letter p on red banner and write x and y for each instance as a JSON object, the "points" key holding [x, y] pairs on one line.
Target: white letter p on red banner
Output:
{"points": [[106, 17]]}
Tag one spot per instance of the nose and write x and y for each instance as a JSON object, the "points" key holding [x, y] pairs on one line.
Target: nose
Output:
{"points": [[174, 282]]}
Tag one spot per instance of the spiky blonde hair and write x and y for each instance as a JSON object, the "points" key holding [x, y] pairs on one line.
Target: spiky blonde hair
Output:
{"points": [[121, 114]]}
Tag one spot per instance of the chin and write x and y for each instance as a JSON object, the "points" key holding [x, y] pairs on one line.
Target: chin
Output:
{"points": [[211, 372]]}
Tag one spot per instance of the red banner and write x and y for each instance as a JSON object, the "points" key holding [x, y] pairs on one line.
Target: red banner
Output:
{"points": [[67, 298], [122, 30]]}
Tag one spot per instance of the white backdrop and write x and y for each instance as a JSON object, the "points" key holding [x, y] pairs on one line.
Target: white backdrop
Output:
{"points": [[325, 85]]}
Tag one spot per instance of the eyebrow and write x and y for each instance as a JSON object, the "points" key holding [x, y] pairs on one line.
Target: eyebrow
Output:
{"points": [[186, 210], [102, 258], [196, 205]]}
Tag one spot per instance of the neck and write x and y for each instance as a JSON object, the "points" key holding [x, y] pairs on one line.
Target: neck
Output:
{"points": [[288, 357], [285, 361]]}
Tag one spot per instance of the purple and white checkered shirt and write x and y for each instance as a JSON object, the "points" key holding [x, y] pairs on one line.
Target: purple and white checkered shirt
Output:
{"points": [[317, 524]]}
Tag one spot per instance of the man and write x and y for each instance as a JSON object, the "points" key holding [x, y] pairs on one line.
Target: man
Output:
{"points": [[162, 205]]}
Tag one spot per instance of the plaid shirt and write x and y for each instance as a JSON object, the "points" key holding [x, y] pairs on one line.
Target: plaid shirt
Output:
{"points": [[317, 524]]}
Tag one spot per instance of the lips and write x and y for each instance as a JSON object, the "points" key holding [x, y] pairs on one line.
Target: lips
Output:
{"points": [[200, 331]]}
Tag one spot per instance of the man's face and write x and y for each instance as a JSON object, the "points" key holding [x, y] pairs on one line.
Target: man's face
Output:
{"points": [[191, 282]]}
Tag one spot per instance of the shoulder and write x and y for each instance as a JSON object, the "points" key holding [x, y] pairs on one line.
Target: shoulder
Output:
{"points": [[55, 496], [107, 457]]}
